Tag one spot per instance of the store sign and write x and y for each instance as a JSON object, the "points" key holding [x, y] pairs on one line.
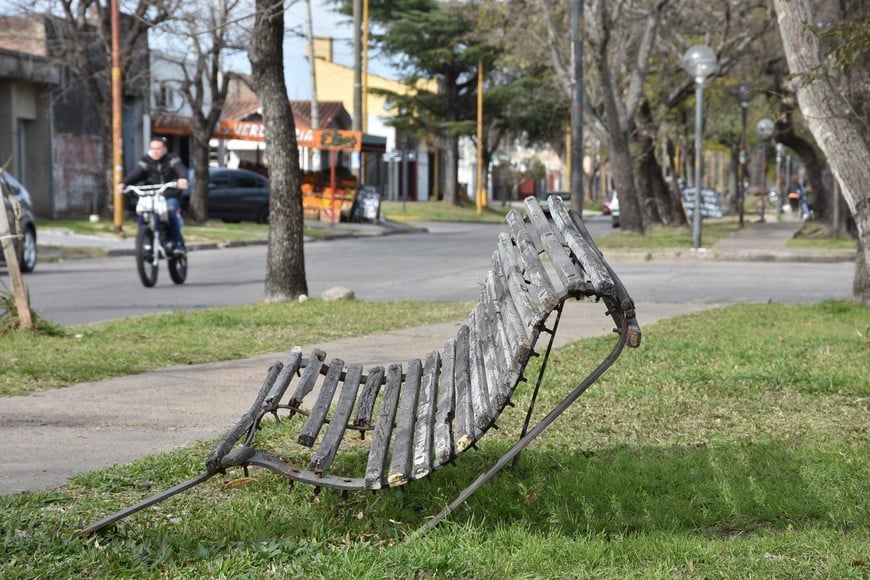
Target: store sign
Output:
{"points": [[163, 124]]}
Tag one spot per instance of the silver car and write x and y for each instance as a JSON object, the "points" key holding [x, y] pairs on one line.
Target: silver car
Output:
{"points": [[24, 241]]}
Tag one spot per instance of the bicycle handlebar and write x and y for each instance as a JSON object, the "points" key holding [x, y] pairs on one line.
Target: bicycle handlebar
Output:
{"points": [[144, 190]]}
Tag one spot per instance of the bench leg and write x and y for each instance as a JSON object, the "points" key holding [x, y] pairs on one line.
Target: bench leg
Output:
{"points": [[531, 435], [552, 332]]}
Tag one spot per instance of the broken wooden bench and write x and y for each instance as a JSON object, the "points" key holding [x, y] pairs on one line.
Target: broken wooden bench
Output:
{"points": [[421, 416]]}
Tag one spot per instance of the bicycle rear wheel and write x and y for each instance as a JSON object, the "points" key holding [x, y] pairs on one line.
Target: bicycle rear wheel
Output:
{"points": [[146, 260]]}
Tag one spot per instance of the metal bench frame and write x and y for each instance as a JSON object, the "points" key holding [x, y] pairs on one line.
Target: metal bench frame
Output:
{"points": [[435, 410]]}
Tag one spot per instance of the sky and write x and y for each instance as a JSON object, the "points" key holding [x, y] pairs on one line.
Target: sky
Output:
{"points": [[326, 23]]}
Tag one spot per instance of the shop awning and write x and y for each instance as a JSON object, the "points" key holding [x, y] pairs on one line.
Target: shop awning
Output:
{"points": [[327, 139]]}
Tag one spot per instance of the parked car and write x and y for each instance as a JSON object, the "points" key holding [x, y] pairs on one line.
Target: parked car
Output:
{"points": [[614, 210], [25, 246], [234, 195]]}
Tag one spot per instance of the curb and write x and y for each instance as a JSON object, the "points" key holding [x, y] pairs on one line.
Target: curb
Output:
{"points": [[337, 235], [806, 256]]}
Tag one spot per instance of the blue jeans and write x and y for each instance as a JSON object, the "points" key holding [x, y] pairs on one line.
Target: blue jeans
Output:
{"points": [[174, 208]]}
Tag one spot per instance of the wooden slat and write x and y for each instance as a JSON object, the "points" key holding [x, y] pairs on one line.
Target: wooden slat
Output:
{"points": [[213, 460], [582, 248], [425, 424], [366, 405], [444, 451], [518, 334], [317, 416], [403, 440], [622, 298], [505, 260], [309, 377], [542, 289], [497, 353], [273, 399], [463, 423], [322, 459], [377, 460], [568, 271], [480, 405]]}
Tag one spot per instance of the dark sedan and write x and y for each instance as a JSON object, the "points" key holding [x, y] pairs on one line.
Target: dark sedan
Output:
{"points": [[235, 195]]}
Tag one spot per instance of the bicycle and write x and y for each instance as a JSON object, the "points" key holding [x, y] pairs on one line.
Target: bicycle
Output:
{"points": [[152, 244]]}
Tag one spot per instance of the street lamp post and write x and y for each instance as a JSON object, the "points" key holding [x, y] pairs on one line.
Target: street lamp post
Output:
{"points": [[780, 148], [764, 128], [699, 62], [744, 95]]}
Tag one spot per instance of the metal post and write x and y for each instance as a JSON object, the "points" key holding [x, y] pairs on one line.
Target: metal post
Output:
{"points": [[577, 149], [763, 175], [741, 187], [696, 222], [117, 118]]}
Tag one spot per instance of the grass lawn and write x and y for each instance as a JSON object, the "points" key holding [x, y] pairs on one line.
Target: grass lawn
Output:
{"points": [[661, 237], [415, 211], [733, 443]]}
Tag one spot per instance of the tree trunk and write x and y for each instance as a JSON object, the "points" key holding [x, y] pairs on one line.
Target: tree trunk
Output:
{"points": [[199, 193], [285, 259], [839, 137], [660, 203], [451, 170]]}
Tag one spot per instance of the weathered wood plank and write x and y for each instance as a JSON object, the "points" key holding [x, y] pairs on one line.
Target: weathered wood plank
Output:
{"points": [[480, 405], [444, 451], [621, 296], [273, 399], [519, 336], [496, 353], [377, 460], [424, 426], [463, 423], [323, 457], [213, 460], [366, 405], [542, 289], [317, 416], [309, 377], [570, 274], [403, 441], [582, 248], [505, 259]]}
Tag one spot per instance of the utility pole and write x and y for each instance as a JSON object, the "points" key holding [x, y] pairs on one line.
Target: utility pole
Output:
{"points": [[117, 118], [576, 144], [315, 107]]}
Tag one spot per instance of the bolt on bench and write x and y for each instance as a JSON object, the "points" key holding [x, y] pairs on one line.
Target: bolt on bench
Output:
{"points": [[421, 416]]}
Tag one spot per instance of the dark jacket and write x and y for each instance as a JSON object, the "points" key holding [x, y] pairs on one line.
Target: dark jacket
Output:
{"points": [[154, 172]]}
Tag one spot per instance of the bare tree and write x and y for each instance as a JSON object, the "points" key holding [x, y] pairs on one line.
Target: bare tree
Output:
{"points": [[82, 36], [285, 260], [831, 106], [207, 30]]}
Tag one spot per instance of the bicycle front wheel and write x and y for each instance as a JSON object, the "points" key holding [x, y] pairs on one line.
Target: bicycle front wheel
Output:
{"points": [[146, 256]]}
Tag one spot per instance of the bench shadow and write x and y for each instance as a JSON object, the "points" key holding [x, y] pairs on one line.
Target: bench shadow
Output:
{"points": [[720, 491]]}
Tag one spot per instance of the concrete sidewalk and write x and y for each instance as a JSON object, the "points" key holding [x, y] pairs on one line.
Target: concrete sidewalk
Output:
{"points": [[56, 434]]}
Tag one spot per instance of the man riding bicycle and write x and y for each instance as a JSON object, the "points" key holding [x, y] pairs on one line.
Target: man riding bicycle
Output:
{"points": [[156, 167]]}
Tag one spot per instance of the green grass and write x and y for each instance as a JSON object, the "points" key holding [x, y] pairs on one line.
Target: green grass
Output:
{"points": [[816, 235], [732, 444], [35, 362], [210, 231], [661, 237], [440, 211]]}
